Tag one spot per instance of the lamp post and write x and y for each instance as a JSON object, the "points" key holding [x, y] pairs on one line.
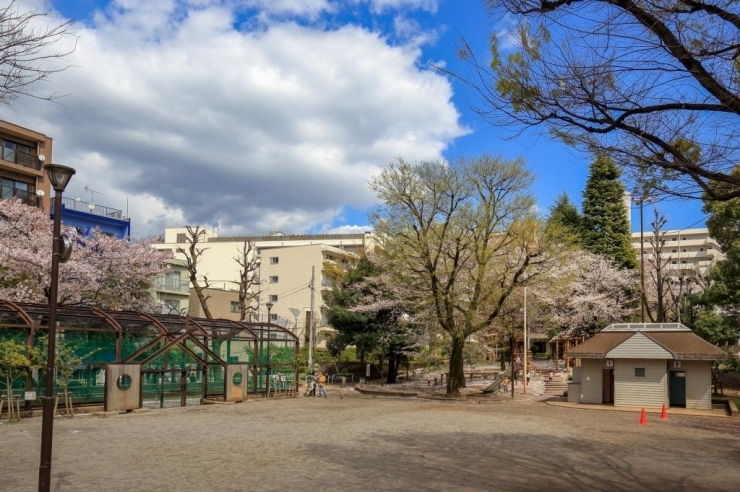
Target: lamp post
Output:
{"points": [[641, 201], [59, 177]]}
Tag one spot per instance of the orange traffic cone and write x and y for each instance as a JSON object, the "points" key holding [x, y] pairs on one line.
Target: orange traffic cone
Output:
{"points": [[643, 418], [663, 413]]}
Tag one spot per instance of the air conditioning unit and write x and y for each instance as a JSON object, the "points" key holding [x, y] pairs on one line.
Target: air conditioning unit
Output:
{"points": [[609, 363]]}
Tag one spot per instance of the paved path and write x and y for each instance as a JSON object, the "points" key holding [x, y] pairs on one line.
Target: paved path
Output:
{"points": [[365, 443]]}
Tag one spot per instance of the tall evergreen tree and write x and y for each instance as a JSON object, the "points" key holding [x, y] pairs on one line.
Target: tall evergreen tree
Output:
{"points": [[564, 213], [605, 228]]}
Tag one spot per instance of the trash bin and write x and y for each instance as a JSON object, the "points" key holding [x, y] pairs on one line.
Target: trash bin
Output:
{"points": [[343, 381]]}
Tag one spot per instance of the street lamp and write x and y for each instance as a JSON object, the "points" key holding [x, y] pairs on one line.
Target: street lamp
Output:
{"points": [[641, 201], [269, 322], [59, 177]]}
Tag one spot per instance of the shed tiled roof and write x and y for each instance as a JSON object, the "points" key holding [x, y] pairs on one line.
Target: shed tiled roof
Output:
{"points": [[687, 346], [599, 345], [682, 345]]}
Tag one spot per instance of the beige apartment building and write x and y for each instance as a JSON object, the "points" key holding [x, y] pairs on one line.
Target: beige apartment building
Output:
{"points": [[688, 251], [22, 172], [172, 289], [287, 265]]}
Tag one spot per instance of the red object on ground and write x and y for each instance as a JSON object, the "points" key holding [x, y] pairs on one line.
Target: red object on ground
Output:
{"points": [[663, 413], [643, 418]]}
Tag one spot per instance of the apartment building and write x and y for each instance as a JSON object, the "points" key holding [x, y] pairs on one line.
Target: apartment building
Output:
{"points": [[688, 251], [288, 263], [87, 216], [173, 288], [22, 174]]}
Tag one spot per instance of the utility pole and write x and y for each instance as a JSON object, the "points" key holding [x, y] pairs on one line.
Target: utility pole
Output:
{"points": [[311, 320], [526, 347]]}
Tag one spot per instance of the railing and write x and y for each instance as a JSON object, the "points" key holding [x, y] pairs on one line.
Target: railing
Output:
{"points": [[91, 208], [27, 197], [181, 287], [22, 158]]}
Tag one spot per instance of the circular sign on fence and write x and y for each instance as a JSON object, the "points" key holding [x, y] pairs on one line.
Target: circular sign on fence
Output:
{"points": [[124, 382], [237, 378]]}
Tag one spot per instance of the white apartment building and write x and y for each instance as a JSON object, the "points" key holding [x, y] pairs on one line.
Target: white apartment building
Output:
{"points": [[688, 250], [287, 263], [172, 289]]}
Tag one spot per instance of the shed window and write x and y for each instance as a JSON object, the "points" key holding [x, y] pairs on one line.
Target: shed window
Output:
{"points": [[639, 372]]}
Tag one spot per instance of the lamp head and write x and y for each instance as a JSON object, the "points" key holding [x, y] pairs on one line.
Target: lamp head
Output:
{"points": [[269, 305], [59, 176]]}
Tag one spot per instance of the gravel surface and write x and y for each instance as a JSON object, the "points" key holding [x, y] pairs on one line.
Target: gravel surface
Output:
{"points": [[351, 442]]}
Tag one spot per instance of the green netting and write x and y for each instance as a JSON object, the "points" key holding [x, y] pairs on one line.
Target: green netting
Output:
{"points": [[174, 377]]}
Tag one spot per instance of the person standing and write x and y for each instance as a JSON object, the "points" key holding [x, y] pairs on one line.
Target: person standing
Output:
{"points": [[322, 382], [505, 384], [311, 385]]}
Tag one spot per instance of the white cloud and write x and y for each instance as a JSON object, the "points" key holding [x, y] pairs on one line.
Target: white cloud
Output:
{"points": [[385, 5], [195, 121]]}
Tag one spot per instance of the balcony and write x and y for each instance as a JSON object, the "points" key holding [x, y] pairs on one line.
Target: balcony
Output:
{"points": [[173, 286], [91, 208], [21, 158], [26, 197]]}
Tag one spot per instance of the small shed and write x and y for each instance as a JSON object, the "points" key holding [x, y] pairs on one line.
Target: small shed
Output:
{"points": [[644, 365]]}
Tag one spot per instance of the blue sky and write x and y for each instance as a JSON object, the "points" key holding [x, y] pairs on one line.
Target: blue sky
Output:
{"points": [[258, 115]]}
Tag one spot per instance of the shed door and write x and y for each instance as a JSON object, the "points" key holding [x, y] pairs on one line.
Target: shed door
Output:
{"points": [[677, 389], [607, 392]]}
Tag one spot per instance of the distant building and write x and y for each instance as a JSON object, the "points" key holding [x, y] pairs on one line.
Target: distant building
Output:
{"points": [[223, 304], [86, 217], [21, 166], [173, 288], [286, 266], [688, 251]]}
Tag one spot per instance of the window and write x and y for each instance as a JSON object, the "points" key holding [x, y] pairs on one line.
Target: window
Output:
{"points": [[673, 251], [673, 239], [639, 372], [16, 152], [181, 238], [273, 298], [234, 308], [274, 260], [673, 262], [12, 188], [273, 319], [172, 303], [273, 279]]}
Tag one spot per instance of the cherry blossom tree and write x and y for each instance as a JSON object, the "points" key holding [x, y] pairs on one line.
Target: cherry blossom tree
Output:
{"points": [[102, 272], [583, 294]]}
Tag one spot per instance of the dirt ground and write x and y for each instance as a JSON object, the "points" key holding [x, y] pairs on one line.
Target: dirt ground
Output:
{"points": [[353, 442]]}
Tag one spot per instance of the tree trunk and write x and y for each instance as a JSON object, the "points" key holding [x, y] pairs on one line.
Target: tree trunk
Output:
{"points": [[456, 380], [68, 403], [10, 397], [392, 371]]}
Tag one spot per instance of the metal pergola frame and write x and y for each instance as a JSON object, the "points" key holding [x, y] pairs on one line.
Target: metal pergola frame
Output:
{"points": [[166, 332]]}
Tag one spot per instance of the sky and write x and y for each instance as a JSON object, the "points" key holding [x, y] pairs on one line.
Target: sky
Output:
{"points": [[251, 116]]}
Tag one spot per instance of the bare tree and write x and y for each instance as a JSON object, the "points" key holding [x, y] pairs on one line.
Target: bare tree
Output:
{"points": [[248, 279], [27, 53], [653, 85], [193, 254], [657, 266]]}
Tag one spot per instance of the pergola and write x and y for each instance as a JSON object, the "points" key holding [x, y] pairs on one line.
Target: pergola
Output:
{"points": [[178, 360]]}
